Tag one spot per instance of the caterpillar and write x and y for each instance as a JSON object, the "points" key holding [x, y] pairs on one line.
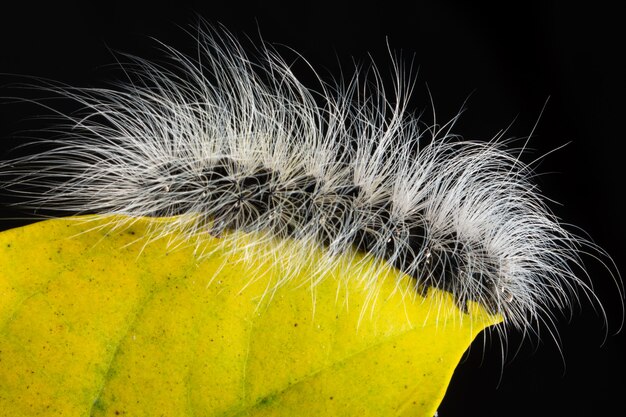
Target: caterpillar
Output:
{"points": [[228, 141]]}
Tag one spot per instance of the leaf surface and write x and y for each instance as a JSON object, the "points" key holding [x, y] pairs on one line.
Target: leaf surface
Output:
{"points": [[96, 321]]}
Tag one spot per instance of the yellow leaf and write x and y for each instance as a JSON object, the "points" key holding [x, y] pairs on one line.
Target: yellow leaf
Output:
{"points": [[99, 321]]}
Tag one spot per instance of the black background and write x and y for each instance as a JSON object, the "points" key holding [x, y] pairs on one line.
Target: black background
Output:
{"points": [[509, 58]]}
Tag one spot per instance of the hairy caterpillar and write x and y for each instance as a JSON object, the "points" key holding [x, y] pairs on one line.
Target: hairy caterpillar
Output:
{"points": [[228, 143]]}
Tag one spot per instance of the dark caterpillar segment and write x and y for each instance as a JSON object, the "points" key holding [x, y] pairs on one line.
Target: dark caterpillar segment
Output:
{"points": [[235, 197], [488, 290], [257, 189], [441, 266], [446, 262], [220, 192], [294, 198], [415, 241], [402, 246], [368, 237], [335, 215]]}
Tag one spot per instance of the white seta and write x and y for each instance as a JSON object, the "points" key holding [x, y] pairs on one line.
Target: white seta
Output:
{"points": [[228, 143]]}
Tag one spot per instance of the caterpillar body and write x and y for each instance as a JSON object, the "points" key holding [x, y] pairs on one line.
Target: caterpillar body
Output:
{"points": [[226, 142]]}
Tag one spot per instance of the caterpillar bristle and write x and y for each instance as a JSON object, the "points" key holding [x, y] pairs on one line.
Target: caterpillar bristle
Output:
{"points": [[229, 142]]}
